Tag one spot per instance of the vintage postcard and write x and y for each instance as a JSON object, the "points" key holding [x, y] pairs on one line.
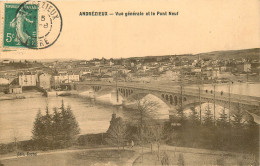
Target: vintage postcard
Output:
{"points": [[129, 82]]}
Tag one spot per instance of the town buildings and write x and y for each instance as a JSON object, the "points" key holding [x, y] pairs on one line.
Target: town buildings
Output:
{"points": [[65, 78], [27, 79], [244, 67], [171, 68]]}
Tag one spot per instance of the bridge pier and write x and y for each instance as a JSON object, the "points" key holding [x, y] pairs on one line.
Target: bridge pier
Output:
{"points": [[172, 113], [115, 98], [124, 102], [92, 94]]}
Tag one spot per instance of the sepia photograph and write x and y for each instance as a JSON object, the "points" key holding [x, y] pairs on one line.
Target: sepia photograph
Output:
{"points": [[129, 83]]}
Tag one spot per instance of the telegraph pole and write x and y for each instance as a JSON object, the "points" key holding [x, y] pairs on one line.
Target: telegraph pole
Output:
{"points": [[214, 85], [200, 103], [247, 72], [116, 86], [229, 91], [181, 95], [181, 87], [200, 92]]}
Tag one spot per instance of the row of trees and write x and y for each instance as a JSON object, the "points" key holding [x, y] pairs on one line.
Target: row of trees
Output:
{"points": [[234, 133], [223, 134], [57, 130]]}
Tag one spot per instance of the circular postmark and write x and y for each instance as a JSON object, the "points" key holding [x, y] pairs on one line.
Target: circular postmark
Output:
{"points": [[38, 24]]}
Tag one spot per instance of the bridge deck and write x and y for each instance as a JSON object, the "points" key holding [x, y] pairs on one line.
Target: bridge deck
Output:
{"points": [[235, 98]]}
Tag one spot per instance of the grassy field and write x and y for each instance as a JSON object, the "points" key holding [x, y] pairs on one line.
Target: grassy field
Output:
{"points": [[193, 159], [83, 158]]}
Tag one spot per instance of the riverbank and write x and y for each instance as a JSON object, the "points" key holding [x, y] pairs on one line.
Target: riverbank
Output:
{"points": [[61, 93], [20, 96], [11, 97]]}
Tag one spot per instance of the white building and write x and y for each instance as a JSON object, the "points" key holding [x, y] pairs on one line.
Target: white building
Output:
{"points": [[111, 63], [170, 75], [27, 79], [245, 67], [6, 61], [45, 81], [65, 78], [15, 89], [196, 70], [160, 69], [73, 78]]}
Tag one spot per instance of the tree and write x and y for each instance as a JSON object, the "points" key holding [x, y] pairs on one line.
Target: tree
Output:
{"points": [[191, 131], [252, 135], [181, 116], [144, 115], [208, 120], [47, 130], [70, 127], [222, 135], [177, 127], [223, 119], [42, 130], [157, 135], [237, 118], [57, 128], [208, 129], [116, 132], [38, 130], [237, 132], [193, 117]]}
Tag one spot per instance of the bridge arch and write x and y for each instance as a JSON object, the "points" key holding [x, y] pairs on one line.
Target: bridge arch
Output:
{"points": [[171, 100], [175, 100], [167, 99]]}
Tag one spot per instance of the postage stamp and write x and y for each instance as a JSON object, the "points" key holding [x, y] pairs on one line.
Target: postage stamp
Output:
{"points": [[32, 24]]}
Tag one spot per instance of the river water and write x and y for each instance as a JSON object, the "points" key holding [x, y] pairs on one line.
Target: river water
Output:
{"points": [[17, 116]]}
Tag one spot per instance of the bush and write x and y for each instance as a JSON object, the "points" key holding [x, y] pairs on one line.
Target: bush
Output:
{"points": [[220, 161], [165, 159], [180, 160], [1, 164]]}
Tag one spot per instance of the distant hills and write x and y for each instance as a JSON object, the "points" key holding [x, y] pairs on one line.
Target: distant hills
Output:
{"points": [[253, 53]]}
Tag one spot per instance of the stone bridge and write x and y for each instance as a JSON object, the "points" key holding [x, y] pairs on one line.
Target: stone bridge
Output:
{"points": [[173, 96]]}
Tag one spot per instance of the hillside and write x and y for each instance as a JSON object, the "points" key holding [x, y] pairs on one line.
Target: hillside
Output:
{"points": [[233, 54]]}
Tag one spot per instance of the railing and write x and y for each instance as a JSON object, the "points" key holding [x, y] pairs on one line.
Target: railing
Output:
{"points": [[243, 99]]}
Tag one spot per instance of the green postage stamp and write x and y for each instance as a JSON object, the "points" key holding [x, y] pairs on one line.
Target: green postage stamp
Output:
{"points": [[31, 24], [20, 26]]}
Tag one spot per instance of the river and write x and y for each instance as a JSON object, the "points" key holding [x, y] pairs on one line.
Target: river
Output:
{"points": [[17, 116]]}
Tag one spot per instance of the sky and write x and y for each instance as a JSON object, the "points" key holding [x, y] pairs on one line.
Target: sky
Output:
{"points": [[201, 26]]}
